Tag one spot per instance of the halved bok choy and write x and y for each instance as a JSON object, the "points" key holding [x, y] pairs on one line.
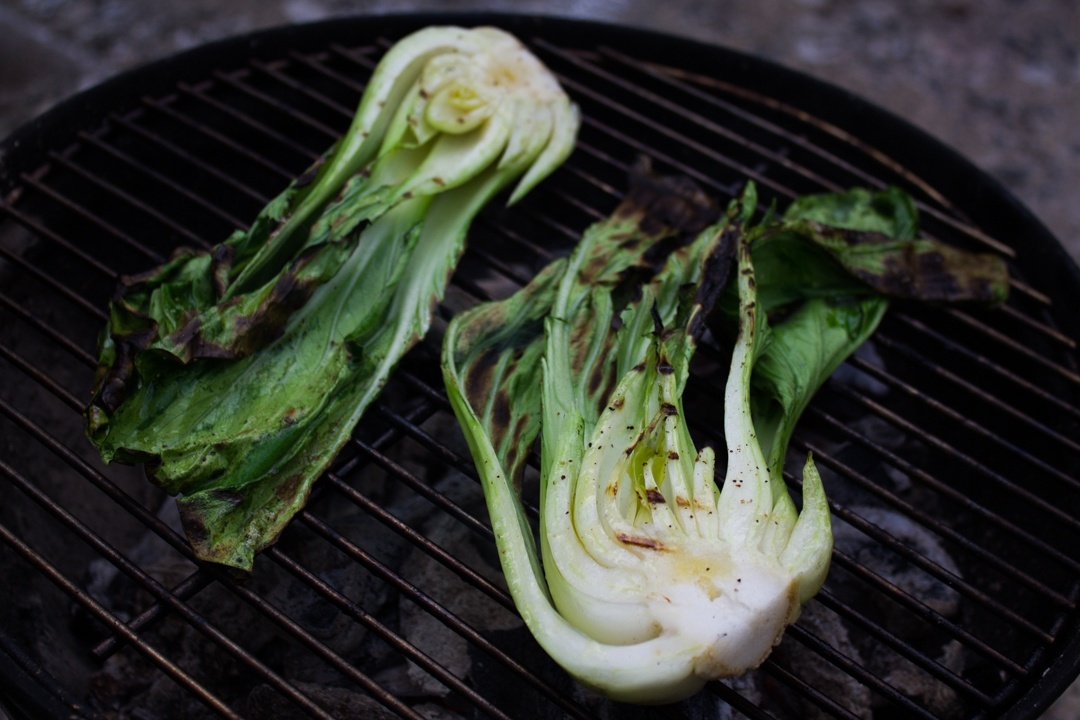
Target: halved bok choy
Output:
{"points": [[237, 374], [650, 580]]}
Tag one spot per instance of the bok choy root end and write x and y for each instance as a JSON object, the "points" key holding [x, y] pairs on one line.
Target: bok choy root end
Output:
{"points": [[237, 374]]}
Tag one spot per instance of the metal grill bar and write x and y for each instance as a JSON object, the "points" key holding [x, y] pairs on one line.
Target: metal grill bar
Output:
{"points": [[975, 428], [805, 689], [274, 72], [234, 80], [30, 319], [974, 465], [903, 648], [935, 570], [42, 232], [179, 155], [316, 62], [1019, 348], [421, 488], [163, 597], [158, 177], [96, 180], [42, 379], [122, 563], [200, 95], [953, 379], [582, 91], [1050, 332], [817, 413], [357, 613], [357, 554], [163, 107], [901, 596], [714, 128], [436, 610], [184, 591], [58, 578], [59, 288], [860, 673], [940, 528], [1024, 384]]}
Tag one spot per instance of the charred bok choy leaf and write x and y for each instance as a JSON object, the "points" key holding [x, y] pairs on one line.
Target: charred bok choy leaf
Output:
{"points": [[650, 580], [237, 374]]}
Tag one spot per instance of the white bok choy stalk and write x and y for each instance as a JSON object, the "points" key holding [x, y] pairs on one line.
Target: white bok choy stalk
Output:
{"points": [[237, 374], [649, 580]]}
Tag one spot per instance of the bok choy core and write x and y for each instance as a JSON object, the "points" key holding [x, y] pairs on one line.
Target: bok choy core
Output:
{"points": [[649, 579], [237, 374]]}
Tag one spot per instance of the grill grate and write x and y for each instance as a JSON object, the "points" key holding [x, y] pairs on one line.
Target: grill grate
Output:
{"points": [[950, 445]]}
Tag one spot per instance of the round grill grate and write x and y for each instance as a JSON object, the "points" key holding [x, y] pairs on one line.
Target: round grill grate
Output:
{"points": [[950, 445]]}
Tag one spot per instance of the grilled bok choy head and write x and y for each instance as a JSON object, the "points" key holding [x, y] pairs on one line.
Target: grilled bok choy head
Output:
{"points": [[237, 374], [650, 580]]}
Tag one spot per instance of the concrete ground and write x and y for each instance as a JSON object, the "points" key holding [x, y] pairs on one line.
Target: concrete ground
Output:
{"points": [[997, 79]]}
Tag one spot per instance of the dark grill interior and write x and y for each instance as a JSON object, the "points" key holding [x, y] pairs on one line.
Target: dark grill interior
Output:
{"points": [[950, 444]]}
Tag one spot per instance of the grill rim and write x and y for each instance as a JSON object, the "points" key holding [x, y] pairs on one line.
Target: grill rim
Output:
{"points": [[973, 192]]}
